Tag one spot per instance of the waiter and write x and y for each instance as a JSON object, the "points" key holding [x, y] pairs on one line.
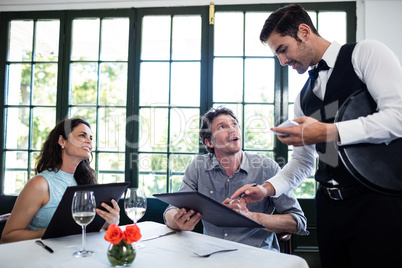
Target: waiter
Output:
{"points": [[356, 226]]}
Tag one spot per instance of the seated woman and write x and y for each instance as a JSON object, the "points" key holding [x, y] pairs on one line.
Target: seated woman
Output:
{"points": [[63, 162]]}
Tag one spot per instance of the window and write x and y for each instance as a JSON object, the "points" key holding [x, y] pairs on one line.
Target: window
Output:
{"points": [[169, 99], [98, 70], [142, 78], [30, 96], [243, 76]]}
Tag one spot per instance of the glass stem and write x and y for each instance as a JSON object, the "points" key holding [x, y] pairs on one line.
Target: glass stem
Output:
{"points": [[84, 238]]}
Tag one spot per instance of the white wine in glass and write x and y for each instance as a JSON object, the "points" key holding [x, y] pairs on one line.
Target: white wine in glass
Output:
{"points": [[135, 205], [83, 210]]}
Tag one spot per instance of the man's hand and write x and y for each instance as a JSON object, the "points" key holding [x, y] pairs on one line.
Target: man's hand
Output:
{"points": [[182, 220], [309, 131]]}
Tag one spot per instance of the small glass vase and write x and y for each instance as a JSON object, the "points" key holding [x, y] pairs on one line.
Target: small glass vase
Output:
{"points": [[121, 255]]}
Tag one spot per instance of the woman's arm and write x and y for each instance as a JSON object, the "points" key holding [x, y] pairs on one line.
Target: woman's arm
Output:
{"points": [[34, 196]]}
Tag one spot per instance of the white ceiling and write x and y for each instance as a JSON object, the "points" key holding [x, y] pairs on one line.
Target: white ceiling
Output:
{"points": [[26, 5]]}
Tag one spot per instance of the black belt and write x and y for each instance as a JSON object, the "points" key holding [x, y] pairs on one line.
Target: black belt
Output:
{"points": [[342, 193]]}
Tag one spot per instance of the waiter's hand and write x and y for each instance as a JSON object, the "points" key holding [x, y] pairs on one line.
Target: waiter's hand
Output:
{"points": [[309, 131], [253, 194]]}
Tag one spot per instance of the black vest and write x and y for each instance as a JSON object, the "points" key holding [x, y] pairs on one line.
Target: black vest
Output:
{"points": [[342, 83]]}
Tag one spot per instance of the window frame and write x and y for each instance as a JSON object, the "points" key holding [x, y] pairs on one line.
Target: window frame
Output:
{"points": [[132, 106]]}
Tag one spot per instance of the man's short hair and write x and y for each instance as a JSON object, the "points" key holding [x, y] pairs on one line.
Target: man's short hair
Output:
{"points": [[206, 121], [285, 21]]}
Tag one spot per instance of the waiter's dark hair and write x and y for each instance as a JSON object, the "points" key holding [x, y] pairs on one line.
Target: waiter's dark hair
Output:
{"points": [[206, 121], [285, 21]]}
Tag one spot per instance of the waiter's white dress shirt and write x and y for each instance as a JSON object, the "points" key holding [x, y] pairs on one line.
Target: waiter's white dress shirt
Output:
{"points": [[378, 67]]}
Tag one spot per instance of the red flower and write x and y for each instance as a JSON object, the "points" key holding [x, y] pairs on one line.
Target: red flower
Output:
{"points": [[132, 234], [114, 234]]}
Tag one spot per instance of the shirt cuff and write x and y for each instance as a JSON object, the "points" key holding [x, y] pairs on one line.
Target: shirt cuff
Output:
{"points": [[280, 185], [350, 132]]}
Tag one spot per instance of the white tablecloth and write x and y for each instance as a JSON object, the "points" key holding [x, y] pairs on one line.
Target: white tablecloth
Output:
{"points": [[170, 251]]}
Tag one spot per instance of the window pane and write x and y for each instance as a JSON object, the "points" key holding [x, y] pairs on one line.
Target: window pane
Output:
{"points": [[110, 178], [154, 84], [228, 80], [185, 84], [34, 156], [112, 129], [19, 84], [153, 163], [332, 26], [228, 35], [259, 80], [153, 129], [113, 84], [45, 84], [47, 40], [306, 189], [115, 39], [153, 184], [44, 120], [21, 36], [254, 23], [155, 38], [184, 130], [17, 134], [16, 160], [85, 39], [175, 182], [14, 182], [84, 82], [313, 16], [178, 165], [186, 38], [111, 161], [258, 121]]}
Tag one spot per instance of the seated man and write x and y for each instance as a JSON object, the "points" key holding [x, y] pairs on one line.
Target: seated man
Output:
{"points": [[221, 172]]}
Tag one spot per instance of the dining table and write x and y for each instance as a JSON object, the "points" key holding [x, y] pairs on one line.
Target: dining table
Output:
{"points": [[177, 250]]}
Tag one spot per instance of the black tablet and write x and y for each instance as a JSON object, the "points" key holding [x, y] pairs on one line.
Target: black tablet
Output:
{"points": [[62, 222], [212, 211]]}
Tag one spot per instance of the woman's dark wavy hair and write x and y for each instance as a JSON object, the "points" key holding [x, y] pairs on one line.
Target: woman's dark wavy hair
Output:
{"points": [[206, 121], [50, 154], [285, 21]]}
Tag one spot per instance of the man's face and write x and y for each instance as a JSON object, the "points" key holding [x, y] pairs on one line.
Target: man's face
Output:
{"points": [[226, 136], [296, 54]]}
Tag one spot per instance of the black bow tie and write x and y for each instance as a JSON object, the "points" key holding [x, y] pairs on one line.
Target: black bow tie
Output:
{"points": [[313, 73]]}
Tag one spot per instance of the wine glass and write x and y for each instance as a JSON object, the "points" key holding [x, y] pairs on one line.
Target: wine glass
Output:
{"points": [[83, 210], [135, 205]]}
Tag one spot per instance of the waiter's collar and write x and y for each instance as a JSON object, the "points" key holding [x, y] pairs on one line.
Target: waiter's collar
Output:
{"points": [[331, 54]]}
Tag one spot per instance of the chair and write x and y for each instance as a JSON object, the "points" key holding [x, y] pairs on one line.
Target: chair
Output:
{"points": [[3, 220], [285, 242]]}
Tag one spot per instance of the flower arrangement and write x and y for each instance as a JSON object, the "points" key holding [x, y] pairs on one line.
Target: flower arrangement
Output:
{"points": [[121, 252], [115, 235]]}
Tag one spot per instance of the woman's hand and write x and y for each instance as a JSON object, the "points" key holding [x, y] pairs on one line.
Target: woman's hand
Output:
{"points": [[112, 215]]}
